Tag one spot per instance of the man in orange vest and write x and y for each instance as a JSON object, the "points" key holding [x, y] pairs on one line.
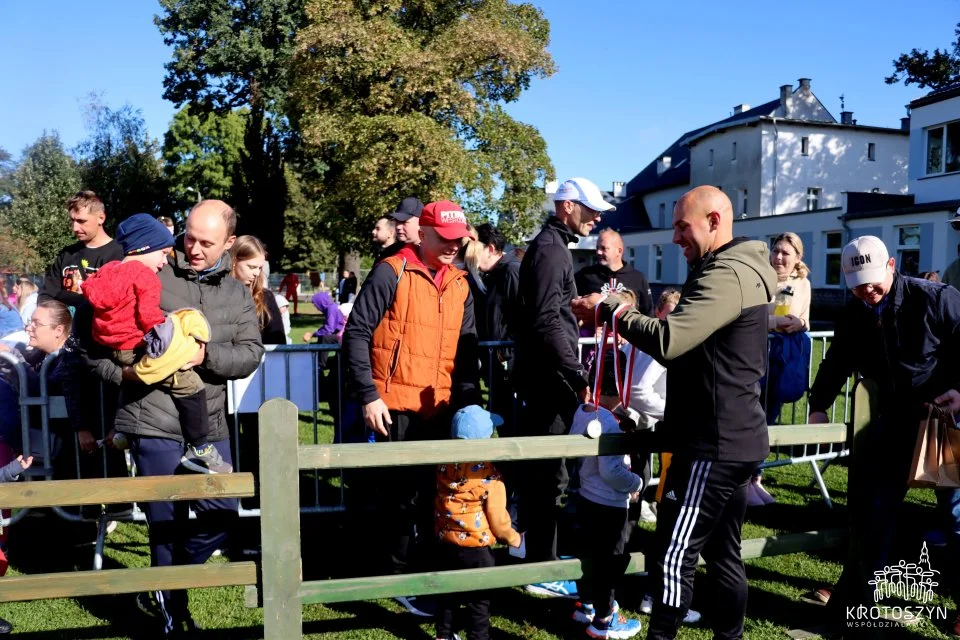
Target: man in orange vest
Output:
{"points": [[411, 347]]}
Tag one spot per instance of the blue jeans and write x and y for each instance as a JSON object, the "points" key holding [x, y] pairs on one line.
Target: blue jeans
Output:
{"points": [[174, 538], [948, 505]]}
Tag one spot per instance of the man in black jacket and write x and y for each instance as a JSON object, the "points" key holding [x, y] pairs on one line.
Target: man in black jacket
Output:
{"points": [[904, 334], [495, 292], [714, 346], [611, 274], [549, 378], [196, 276]]}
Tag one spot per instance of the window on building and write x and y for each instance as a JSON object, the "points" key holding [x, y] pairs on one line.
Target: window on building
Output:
{"points": [[662, 219], [711, 158], [742, 196], [833, 243], [805, 145], [813, 198], [733, 152], [871, 151], [943, 148], [657, 262], [908, 250]]}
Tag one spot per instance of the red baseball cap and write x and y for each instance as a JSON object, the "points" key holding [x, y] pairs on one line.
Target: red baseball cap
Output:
{"points": [[447, 218]]}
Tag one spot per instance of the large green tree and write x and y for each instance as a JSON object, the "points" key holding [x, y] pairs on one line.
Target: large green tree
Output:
{"points": [[202, 153], [934, 70], [41, 184], [121, 162], [405, 97], [229, 54]]}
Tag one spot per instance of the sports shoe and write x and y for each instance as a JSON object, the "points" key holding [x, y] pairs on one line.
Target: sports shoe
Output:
{"points": [[111, 527], [820, 597], [205, 459], [586, 612], [691, 617], [559, 589], [648, 511], [614, 626], [453, 637], [5, 626], [763, 494], [422, 606]]}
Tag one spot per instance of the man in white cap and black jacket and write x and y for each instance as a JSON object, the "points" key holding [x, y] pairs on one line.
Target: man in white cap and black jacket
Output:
{"points": [[549, 379], [904, 334], [714, 346]]}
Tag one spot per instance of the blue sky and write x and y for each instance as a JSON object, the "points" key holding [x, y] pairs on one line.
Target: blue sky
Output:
{"points": [[632, 74]]}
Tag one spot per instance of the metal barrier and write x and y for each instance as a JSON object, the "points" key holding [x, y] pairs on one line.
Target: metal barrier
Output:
{"points": [[293, 372]]}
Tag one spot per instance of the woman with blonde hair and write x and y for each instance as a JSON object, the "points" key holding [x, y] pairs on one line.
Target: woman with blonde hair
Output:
{"points": [[27, 294], [249, 255], [790, 311]]}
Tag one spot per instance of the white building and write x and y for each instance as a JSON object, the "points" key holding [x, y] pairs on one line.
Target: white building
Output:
{"points": [[788, 165]]}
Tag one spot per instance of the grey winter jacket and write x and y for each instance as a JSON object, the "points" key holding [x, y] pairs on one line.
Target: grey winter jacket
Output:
{"points": [[234, 350]]}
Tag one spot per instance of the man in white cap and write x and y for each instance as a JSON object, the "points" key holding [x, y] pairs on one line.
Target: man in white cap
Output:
{"points": [[549, 379], [952, 275], [904, 334]]}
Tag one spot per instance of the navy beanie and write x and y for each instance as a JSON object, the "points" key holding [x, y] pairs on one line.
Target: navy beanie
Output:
{"points": [[142, 233]]}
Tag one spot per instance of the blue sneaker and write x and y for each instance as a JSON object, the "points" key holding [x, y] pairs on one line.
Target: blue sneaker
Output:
{"points": [[559, 589], [615, 626], [584, 613]]}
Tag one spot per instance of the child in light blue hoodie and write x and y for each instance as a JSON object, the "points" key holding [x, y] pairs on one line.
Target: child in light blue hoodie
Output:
{"points": [[607, 486]]}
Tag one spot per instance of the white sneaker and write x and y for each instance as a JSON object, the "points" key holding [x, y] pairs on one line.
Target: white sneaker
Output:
{"points": [[647, 512]]}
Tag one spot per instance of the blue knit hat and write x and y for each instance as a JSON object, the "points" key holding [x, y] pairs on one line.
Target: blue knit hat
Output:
{"points": [[142, 233], [474, 423]]}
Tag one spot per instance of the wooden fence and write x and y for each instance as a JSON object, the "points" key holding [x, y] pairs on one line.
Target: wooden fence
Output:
{"points": [[279, 585]]}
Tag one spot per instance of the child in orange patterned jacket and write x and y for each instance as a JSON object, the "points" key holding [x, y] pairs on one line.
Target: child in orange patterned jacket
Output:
{"points": [[470, 516]]}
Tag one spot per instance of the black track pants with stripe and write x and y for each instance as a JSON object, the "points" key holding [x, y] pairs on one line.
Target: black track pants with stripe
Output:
{"points": [[702, 510]]}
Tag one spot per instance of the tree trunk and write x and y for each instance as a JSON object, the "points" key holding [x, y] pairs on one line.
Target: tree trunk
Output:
{"points": [[349, 262]]}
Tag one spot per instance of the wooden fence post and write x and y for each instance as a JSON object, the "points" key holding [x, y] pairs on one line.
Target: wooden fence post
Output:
{"points": [[280, 567]]}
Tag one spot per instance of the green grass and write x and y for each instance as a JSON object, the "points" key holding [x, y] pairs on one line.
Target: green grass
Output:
{"points": [[775, 583], [333, 544]]}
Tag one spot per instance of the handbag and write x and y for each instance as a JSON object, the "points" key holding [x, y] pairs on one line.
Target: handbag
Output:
{"points": [[936, 456]]}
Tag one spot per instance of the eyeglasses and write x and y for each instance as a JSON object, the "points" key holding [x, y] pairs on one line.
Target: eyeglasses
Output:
{"points": [[34, 323]]}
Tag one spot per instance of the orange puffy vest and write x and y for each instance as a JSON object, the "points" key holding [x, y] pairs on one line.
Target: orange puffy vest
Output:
{"points": [[414, 346]]}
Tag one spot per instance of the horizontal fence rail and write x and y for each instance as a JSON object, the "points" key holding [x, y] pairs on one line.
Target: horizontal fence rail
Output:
{"points": [[60, 493], [395, 454], [282, 591]]}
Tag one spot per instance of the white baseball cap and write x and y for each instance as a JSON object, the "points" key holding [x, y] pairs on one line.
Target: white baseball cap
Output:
{"points": [[585, 192], [865, 261]]}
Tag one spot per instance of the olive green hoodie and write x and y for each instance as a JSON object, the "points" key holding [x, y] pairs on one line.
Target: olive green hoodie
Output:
{"points": [[714, 346]]}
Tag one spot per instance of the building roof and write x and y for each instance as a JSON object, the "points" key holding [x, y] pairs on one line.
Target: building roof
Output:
{"points": [[678, 173], [943, 93], [630, 217], [925, 207], [763, 111]]}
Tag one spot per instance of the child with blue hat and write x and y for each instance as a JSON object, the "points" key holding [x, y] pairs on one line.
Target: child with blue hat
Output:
{"points": [[470, 516], [125, 297]]}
